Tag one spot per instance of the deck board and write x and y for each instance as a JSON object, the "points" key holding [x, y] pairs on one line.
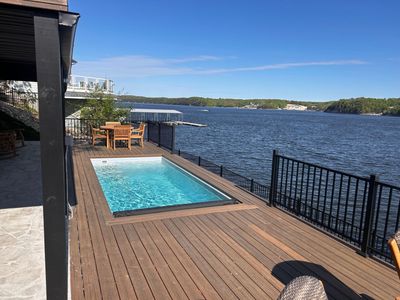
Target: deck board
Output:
{"points": [[241, 251]]}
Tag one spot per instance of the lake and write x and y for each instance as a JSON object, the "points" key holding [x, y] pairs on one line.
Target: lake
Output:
{"points": [[243, 140]]}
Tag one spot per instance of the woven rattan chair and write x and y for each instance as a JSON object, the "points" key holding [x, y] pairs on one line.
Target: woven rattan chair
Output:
{"points": [[138, 134], [304, 288], [122, 133]]}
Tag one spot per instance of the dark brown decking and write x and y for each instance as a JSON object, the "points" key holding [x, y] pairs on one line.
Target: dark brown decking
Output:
{"points": [[246, 251]]}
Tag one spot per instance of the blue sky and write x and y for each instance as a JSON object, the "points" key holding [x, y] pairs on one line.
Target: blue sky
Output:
{"points": [[300, 50]]}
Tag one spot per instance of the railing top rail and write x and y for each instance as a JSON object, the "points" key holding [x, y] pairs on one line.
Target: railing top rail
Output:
{"points": [[323, 168], [388, 185]]}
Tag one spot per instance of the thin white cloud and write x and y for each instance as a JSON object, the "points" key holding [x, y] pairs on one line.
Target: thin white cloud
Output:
{"points": [[145, 66]]}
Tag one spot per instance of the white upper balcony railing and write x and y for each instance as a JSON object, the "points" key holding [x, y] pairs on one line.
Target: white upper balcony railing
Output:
{"points": [[89, 84]]}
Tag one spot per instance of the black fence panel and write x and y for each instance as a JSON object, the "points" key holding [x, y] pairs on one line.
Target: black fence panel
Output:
{"points": [[162, 134], [81, 129], [248, 184], [359, 210], [386, 218]]}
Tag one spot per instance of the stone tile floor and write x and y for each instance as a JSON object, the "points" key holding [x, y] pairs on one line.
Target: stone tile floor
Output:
{"points": [[22, 268]]}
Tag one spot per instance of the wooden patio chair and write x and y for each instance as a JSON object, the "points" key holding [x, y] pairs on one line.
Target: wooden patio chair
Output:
{"points": [[113, 123], [394, 243], [122, 133], [138, 134], [98, 133]]}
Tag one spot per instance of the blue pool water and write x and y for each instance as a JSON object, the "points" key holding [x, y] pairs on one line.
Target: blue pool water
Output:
{"points": [[150, 182]]}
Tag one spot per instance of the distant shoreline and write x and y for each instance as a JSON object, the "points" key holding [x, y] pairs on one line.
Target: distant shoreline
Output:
{"points": [[355, 106]]}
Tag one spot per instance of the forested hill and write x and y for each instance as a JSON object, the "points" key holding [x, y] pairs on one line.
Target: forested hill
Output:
{"points": [[352, 106], [389, 106]]}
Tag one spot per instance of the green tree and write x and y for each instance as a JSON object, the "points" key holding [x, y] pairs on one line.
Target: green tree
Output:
{"points": [[101, 106]]}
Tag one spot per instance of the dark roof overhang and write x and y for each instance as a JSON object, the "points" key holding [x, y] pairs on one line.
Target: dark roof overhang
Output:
{"points": [[17, 41]]}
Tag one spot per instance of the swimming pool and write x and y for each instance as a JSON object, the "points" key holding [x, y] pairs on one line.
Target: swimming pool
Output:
{"points": [[137, 185]]}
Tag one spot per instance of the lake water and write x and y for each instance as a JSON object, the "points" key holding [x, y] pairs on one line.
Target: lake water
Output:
{"points": [[243, 140]]}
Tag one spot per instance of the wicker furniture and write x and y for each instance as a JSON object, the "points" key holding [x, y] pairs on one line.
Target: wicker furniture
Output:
{"points": [[98, 133], [138, 134], [19, 136], [7, 143], [304, 288], [122, 133]]}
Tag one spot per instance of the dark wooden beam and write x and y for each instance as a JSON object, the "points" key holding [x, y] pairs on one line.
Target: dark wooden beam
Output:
{"points": [[51, 109]]}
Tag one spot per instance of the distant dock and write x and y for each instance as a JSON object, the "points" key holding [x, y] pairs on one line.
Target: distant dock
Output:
{"points": [[187, 123]]}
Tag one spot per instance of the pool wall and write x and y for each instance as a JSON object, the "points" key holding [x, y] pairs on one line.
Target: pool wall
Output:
{"points": [[226, 201]]}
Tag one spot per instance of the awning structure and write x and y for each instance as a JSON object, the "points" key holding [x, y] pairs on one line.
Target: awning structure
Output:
{"points": [[36, 44], [155, 115]]}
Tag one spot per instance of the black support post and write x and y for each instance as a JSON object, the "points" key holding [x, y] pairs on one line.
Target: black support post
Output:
{"points": [[221, 170], [274, 178], [173, 139], [369, 216], [159, 134], [51, 107]]}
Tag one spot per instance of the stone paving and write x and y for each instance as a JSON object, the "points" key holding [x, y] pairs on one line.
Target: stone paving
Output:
{"points": [[22, 268]]}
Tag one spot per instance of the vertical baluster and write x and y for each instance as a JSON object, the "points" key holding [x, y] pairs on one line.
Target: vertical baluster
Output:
{"points": [[291, 186], [387, 216], [286, 181], [307, 184], [312, 194], [319, 193], [378, 208], [345, 207], [332, 195], [325, 197], [354, 208], [301, 189], [281, 181], [363, 209], [338, 203], [295, 201]]}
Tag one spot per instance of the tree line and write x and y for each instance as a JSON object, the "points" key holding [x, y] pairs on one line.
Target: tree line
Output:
{"points": [[390, 106]]}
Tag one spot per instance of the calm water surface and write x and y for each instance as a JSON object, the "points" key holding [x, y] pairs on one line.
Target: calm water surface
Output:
{"points": [[243, 140]]}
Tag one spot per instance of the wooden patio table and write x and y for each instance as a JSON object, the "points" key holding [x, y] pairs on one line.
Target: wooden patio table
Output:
{"points": [[108, 129]]}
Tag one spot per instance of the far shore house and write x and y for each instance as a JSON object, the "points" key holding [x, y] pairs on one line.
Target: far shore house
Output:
{"points": [[36, 44]]}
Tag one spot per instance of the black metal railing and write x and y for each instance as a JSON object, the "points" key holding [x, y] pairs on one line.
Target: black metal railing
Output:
{"points": [[248, 184], [162, 134], [359, 210], [81, 129], [19, 98]]}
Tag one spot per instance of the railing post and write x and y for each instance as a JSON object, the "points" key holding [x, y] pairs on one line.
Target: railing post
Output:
{"points": [[179, 152], [252, 185], [369, 217], [148, 131], [173, 139], [199, 161], [221, 171], [159, 134], [274, 178]]}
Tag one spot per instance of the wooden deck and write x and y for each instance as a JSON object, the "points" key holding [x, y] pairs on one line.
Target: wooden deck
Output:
{"points": [[245, 251]]}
